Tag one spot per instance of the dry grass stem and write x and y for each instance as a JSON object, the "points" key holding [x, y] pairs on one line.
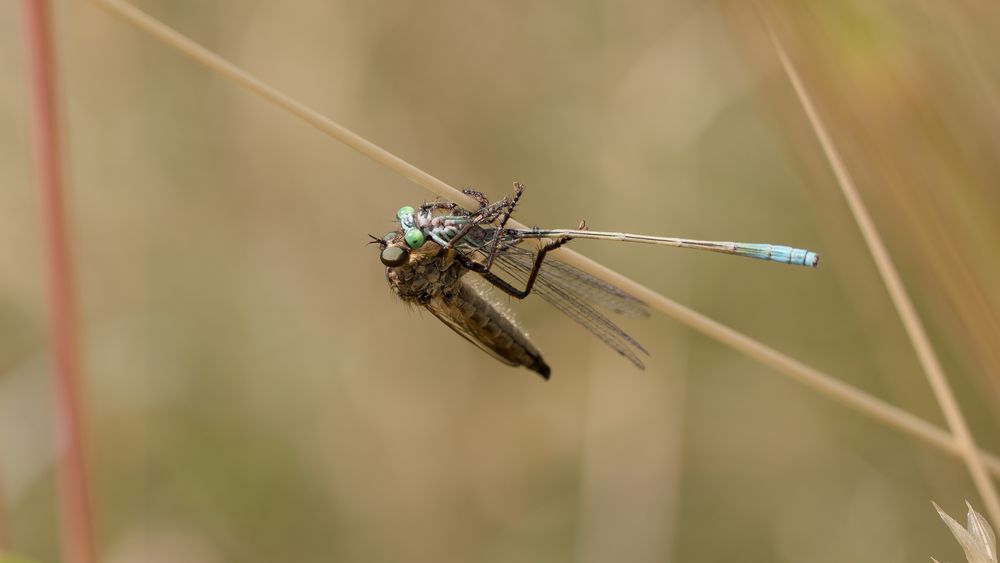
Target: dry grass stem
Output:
{"points": [[811, 377], [897, 292]]}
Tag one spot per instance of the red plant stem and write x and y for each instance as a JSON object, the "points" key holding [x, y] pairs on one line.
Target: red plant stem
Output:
{"points": [[74, 504], [3, 529]]}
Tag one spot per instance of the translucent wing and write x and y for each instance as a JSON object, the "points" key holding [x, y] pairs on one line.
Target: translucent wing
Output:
{"points": [[585, 285], [570, 290]]}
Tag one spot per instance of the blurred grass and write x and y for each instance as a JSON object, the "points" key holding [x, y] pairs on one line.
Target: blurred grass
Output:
{"points": [[256, 393]]}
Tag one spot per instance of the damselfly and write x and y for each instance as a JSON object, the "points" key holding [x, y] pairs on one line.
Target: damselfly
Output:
{"points": [[439, 242]]}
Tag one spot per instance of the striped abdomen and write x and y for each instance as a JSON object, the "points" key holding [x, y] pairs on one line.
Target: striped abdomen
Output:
{"points": [[475, 318]]}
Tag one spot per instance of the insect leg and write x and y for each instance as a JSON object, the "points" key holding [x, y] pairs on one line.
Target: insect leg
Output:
{"points": [[486, 214], [504, 285], [477, 195], [498, 234], [437, 205]]}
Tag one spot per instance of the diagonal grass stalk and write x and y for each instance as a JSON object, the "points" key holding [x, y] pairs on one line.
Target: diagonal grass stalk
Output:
{"points": [[897, 291], [813, 378]]}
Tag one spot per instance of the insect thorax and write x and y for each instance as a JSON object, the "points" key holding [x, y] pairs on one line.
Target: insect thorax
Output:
{"points": [[426, 276]]}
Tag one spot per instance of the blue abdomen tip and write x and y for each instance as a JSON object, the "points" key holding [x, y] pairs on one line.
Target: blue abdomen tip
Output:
{"points": [[796, 256], [779, 253]]}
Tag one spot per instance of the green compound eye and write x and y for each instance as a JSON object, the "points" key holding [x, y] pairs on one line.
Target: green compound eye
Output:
{"points": [[404, 211], [414, 237]]}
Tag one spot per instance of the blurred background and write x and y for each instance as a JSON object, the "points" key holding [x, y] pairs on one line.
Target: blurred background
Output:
{"points": [[254, 392]]}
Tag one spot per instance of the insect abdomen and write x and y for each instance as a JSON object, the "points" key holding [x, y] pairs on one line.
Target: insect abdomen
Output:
{"points": [[495, 331]]}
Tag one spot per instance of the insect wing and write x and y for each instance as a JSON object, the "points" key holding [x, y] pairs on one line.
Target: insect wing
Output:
{"points": [[585, 285], [570, 295]]}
